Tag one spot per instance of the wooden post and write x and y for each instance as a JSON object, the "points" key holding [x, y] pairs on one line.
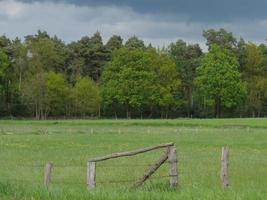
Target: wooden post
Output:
{"points": [[173, 166], [91, 175], [47, 175], [151, 169], [224, 167]]}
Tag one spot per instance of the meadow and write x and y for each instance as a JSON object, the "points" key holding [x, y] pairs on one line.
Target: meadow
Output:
{"points": [[26, 146]]}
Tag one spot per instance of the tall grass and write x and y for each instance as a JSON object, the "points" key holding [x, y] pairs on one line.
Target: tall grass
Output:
{"points": [[25, 147]]}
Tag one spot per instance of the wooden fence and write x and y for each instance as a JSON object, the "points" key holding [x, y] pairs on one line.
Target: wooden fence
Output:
{"points": [[169, 155]]}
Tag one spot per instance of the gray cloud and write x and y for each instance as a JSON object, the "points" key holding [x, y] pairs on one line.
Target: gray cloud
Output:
{"points": [[200, 10], [147, 19]]}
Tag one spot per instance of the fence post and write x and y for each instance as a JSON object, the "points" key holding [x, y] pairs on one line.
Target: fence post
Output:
{"points": [[91, 175], [224, 167], [47, 174], [173, 166]]}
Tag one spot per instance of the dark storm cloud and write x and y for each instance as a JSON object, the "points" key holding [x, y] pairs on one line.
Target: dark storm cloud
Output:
{"points": [[156, 21], [197, 10]]}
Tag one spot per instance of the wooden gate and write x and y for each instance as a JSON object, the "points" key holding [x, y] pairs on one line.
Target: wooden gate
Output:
{"points": [[170, 155]]}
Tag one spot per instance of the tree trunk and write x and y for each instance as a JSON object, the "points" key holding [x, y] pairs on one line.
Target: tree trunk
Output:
{"points": [[128, 113], [259, 113], [217, 107], [190, 102], [115, 113], [20, 77], [204, 103], [253, 114], [166, 115], [7, 99], [151, 112], [99, 111]]}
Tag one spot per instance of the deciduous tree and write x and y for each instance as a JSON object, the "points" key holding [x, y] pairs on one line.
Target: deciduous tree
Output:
{"points": [[221, 38], [253, 74], [136, 79], [219, 79], [86, 97]]}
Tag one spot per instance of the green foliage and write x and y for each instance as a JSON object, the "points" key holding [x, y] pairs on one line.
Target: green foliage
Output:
{"points": [[20, 65], [187, 58], [137, 79], [257, 95], [38, 76], [4, 64], [263, 49], [115, 42], [86, 97], [221, 38], [241, 53], [253, 61], [253, 74], [46, 94], [219, 79], [88, 56], [57, 93], [43, 54], [4, 82], [34, 93], [135, 43], [5, 45]]}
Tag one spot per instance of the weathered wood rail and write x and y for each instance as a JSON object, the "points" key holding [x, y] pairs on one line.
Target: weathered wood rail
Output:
{"points": [[170, 155], [131, 153]]}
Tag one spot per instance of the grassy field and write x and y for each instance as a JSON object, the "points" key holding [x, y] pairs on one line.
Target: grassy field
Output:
{"points": [[25, 147]]}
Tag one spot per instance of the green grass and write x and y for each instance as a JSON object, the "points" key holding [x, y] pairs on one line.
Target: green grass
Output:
{"points": [[25, 147]]}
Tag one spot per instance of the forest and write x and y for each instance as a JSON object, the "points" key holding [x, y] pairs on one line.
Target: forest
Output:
{"points": [[42, 77]]}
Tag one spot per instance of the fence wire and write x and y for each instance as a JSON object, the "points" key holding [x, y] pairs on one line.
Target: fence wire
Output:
{"points": [[234, 156], [78, 182]]}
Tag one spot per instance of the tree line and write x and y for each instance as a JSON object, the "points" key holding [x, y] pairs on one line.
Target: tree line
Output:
{"points": [[43, 77]]}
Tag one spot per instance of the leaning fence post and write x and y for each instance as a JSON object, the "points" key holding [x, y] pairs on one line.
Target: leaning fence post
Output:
{"points": [[47, 174], [173, 166], [224, 167], [152, 169], [91, 174]]}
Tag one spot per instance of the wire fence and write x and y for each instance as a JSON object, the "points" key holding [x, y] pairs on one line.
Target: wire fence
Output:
{"points": [[20, 169], [71, 179]]}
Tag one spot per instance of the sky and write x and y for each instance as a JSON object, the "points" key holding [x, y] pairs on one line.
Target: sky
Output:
{"points": [[155, 21]]}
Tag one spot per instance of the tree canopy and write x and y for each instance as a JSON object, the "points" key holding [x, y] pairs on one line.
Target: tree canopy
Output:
{"points": [[42, 76], [139, 80], [219, 79]]}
